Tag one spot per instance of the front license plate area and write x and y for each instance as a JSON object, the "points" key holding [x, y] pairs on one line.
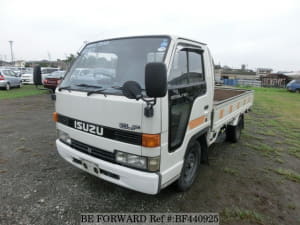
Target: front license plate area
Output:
{"points": [[90, 167]]}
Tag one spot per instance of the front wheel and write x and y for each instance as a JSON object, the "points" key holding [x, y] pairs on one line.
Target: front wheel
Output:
{"points": [[190, 167]]}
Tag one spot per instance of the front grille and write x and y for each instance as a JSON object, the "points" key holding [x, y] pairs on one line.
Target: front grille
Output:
{"points": [[108, 132], [93, 151], [128, 137]]}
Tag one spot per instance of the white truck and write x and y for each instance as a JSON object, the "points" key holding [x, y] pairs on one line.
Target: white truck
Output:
{"points": [[145, 111]]}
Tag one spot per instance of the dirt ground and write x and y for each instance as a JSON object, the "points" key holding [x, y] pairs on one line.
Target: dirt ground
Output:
{"points": [[38, 187]]}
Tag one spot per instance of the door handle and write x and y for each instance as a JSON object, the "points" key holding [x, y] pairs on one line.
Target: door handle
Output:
{"points": [[206, 107]]}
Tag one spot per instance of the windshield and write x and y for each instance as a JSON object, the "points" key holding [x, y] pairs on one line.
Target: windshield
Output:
{"points": [[8, 72], [29, 70], [57, 74], [293, 81], [109, 64]]}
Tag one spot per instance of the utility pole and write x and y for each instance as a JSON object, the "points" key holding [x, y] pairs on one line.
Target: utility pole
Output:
{"points": [[11, 51]]}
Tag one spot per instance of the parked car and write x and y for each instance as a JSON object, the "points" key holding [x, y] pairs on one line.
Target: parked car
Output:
{"points": [[53, 79], [8, 79], [46, 71], [294, 86], [17, 70], [27, 77]]}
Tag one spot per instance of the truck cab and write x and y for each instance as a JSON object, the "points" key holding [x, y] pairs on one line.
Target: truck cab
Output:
{"points": [[139, 111]]}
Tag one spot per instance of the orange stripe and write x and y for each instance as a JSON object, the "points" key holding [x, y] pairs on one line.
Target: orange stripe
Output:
{"points": [[238, 105], [221, 114], [196, 122], [230, 109]]}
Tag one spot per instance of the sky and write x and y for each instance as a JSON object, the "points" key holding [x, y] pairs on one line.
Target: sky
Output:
{"points": [[258, 33]]}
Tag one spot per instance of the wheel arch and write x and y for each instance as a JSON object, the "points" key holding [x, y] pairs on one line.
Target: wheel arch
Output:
{"points": [[201, 137]]}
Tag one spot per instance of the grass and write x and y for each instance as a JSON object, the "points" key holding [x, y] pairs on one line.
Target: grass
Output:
{"points": [[282, 104], [278, 160], [230, 171], [274, 123], [288, 174], [25, 90], [242, 214]]}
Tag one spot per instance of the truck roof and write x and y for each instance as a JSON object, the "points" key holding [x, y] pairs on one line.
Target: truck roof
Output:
{"points": [[173, 37]]}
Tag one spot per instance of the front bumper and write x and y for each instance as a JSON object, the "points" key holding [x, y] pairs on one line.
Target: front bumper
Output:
{"points": [[144, 182], [27, 81]]}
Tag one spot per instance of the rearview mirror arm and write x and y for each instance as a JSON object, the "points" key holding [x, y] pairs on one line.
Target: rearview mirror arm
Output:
{"points": [[148, 110]]}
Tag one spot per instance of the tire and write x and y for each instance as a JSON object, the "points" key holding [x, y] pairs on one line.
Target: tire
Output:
{"points": [[20, 85], [298, 91], [233, 133], [7, 86], [190, 167]]}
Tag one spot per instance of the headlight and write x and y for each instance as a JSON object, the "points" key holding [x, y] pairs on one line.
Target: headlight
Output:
{"points": [[141, 162], [131, 160], [64, 137]]}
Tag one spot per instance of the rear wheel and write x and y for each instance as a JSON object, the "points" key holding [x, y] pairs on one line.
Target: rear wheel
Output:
{"points": [[20, 85], [7, 86], [233, 133], [190, 167], [298, 91]]}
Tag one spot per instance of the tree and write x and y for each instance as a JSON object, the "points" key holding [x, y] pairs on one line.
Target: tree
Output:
{"points": [[70, 58]]}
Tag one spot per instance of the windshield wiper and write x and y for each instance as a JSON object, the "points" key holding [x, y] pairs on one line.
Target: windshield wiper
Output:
{"points": [[99, 91], [65, 87], [88, 85], [117, 87]]}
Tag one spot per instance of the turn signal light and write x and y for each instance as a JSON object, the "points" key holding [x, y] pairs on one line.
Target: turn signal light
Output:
{"points": [[55, 117], [151, 140]]}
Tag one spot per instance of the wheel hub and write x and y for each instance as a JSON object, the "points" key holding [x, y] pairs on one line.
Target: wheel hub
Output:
{"points": [[190, 165]]}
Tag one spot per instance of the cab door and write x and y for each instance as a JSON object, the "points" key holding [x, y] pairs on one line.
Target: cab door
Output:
{"points": [[188, 105], [187, 89]]}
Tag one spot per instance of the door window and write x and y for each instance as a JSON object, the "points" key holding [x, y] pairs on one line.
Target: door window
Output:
{"points": [[179, 69], [186, 82], [195, 67]]}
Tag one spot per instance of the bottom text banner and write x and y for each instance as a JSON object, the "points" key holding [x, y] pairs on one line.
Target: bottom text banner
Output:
{"points": [[149, 218]]}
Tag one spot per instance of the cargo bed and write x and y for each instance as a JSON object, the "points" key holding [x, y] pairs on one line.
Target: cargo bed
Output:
{"points": [[225, 94], [229, 103]]}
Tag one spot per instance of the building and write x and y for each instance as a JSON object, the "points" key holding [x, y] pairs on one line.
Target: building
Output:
{"points": [[275, 80], [19, 63], [262, 72], [218, 70], [238, 74]]}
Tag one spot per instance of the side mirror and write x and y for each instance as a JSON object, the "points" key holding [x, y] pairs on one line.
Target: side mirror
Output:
{"points": [[156, 79], [37, 75]]}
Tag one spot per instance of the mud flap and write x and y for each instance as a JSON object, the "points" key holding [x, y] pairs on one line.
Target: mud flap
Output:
{"points": [[204, 150]]}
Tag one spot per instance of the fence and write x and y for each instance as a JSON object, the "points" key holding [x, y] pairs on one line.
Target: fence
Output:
{"points": [[236, 82]]}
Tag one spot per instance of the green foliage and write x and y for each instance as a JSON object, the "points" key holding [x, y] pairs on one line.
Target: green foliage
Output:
{"points": [[241, 214], [25, 90], [70, 58], [288, 174], [230, 171]]}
